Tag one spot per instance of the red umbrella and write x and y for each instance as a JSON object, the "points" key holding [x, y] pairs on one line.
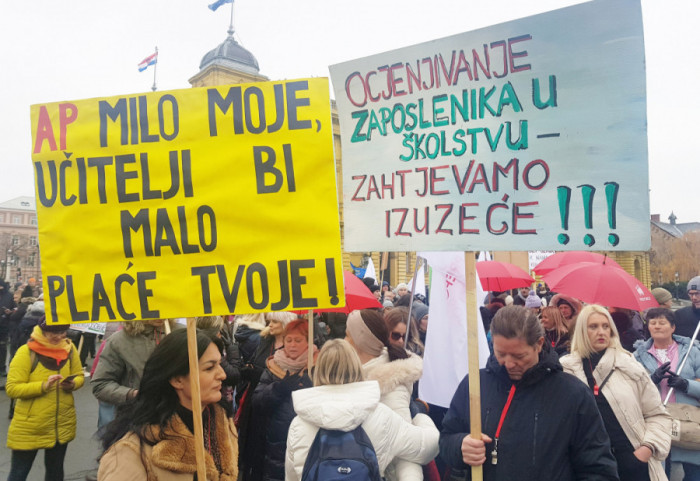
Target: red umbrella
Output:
{"points": [[501, 276], [598, 283], [357, 296], [561, 259]]}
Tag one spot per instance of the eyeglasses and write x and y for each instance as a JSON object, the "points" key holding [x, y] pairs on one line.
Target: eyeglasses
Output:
{"points": [[694, 294], [397, 336]]}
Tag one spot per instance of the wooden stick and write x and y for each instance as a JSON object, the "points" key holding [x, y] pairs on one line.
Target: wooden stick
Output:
{"points": [[310, 363], [473, 346], [166, 326], [80, 343], [196, 398]]}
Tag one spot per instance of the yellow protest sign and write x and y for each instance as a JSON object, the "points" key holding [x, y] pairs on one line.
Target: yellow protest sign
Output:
{"points": [[188, 202]]}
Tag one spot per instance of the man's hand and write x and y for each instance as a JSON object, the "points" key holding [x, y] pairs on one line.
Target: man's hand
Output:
{"points": [[474, 450]]}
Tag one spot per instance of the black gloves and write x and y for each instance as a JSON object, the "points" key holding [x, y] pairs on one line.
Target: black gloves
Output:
{"points": [[661, 372], [678, 383], [291, 382]]}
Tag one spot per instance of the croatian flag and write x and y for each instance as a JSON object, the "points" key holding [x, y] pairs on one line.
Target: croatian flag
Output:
{"points": [[148, 61], [218, 3]]}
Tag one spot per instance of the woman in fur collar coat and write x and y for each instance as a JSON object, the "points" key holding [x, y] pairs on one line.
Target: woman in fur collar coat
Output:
{"points": [[151, 439], [395, 369]]}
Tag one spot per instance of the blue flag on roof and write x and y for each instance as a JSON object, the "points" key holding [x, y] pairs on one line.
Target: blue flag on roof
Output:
{"points": [[218, 3]]}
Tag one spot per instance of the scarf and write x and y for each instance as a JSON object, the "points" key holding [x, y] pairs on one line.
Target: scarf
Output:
{"points": [[39, 344], [292, 365]]}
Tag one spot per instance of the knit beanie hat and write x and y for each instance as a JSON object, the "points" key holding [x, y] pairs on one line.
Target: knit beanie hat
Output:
{"points": [[694, 284], [661, 295], [362, 336], [420, 310], [533, 301]]}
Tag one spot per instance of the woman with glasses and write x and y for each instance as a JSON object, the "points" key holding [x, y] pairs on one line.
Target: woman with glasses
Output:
{"points": [[395, 369], [397, 323]]}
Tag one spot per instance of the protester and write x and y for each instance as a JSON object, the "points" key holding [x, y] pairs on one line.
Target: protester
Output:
{"points": [[401, 289], [215, 326], [7, 305], [17, 338], [661, 355], [533, 302], [152, 436], [569, 308], [118, 373], [551, 429], [663, 297], [687, 318], [42, 377], [286, 372], [635, 419], [341, 400], [628, 334], [252, 423], [555, 331], [420, 318], [521, 297], [395, 369], [396, 322]]}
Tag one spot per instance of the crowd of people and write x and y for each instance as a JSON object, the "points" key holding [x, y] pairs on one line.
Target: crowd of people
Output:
{"points": [[571, 391]]}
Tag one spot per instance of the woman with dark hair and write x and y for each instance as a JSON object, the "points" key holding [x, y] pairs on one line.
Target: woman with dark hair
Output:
{"points": [[151, 437], [395, 369], [661, 355], [286, 372], [399, 327]]}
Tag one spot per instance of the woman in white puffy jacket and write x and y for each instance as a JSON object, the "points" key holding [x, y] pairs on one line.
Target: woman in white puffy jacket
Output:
{"points": [[341, 400], [395, 369]]}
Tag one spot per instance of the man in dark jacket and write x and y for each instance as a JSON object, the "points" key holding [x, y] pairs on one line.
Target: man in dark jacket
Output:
{"points": [[7, 304], [687, 318], [551, 429]]}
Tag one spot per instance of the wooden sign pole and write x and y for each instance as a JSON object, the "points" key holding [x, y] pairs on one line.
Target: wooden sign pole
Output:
{"points": [[196, 398], [473, 346], [310, 362]]}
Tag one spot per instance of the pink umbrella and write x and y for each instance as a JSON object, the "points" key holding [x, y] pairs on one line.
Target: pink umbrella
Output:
{"points": [[561, 259], [501, 276], [598, 283]]}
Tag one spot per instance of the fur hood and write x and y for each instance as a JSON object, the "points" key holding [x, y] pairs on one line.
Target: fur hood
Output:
{"points": [[575, 303], [392, 374]]}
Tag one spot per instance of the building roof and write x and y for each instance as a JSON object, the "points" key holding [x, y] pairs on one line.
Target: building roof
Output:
{"points": [[232, 55], [20, 203], [677, 230]]}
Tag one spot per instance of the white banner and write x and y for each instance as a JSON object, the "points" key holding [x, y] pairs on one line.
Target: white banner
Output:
{"points": [[526, 135], [445, 362]]}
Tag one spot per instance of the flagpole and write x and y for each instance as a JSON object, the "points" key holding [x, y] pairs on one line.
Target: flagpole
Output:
{"points": [[410, 302], [230, 27], [155, 67]]}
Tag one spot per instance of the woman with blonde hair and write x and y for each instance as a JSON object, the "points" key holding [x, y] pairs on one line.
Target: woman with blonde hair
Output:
{"points": [[556, 334], [635, 419], [342, 401]]}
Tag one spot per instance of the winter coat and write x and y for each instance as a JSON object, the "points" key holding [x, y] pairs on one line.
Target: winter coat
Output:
{"points": [[552, 430], [41, 418], [30, 319], [121, 364], [170, 458], [396, 380], [687, 319], [248, 339], [278, 412], [346, 406], [691, 372], [635, 401]]}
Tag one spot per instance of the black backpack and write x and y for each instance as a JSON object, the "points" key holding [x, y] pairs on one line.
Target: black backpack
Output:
{"points": [[341, 456]]}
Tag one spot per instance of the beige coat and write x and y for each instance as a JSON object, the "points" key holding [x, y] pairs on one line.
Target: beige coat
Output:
{"points": [[171, 458], [635, 401]]}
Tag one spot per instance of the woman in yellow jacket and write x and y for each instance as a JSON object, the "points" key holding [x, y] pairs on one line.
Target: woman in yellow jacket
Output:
{"points": [[42, 377]]}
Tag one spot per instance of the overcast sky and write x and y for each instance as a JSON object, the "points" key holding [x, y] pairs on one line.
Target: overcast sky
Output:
{"points": [[56, 50]]}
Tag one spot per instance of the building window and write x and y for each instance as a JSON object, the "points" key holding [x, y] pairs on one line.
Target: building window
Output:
{"points": [[31, 260], [2, 218], [32, 241], [16, 219], [15, 240], [32, 220]]}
